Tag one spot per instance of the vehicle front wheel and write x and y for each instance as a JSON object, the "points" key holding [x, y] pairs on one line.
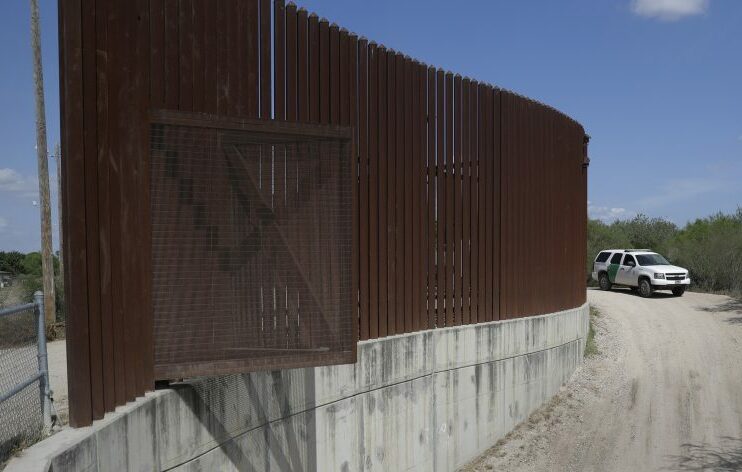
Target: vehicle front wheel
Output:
{"points": [[645, 288], [604, 282], [678, 291]]}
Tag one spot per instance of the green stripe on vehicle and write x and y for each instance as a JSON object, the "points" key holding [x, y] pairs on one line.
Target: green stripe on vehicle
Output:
{"points": [[612, 271]]}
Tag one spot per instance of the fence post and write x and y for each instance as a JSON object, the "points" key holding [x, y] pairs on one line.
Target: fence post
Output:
{"points": [[45, 393]]}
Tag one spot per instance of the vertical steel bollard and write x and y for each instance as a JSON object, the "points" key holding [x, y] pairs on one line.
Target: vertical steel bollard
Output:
{"points": [[43, 362]]}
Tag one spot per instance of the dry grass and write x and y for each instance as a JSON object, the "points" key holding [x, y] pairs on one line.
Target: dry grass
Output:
{"points": [[591, 348]]}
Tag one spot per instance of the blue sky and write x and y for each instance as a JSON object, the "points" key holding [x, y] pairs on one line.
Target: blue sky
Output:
{"points": [[656, 83]]}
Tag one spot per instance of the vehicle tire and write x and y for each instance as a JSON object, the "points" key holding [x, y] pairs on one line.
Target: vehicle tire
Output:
{"points": [[604, 282], [678, 291], [645, 288]]}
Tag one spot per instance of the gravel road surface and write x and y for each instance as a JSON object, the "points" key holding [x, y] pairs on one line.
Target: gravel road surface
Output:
{"points": [[664, 392]]}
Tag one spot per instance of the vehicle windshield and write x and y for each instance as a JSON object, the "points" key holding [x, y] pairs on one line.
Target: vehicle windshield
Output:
{"points": [[651, 259]]}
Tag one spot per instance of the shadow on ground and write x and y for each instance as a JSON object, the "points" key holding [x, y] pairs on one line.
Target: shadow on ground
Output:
{"points": [[635, 293], [730, 306], [727, 456]]}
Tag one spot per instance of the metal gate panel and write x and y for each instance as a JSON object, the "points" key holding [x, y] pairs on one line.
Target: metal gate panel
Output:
{"points": [[251, 245]]}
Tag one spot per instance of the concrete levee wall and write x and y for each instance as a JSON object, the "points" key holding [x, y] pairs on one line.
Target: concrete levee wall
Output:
{"points": [[430, 400]]}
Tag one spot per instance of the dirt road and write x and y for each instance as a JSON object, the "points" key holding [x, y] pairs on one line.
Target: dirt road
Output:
{"points": [[664, 392]]}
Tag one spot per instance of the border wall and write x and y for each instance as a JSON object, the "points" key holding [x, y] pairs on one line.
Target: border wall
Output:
{"points": [[468, 202]]}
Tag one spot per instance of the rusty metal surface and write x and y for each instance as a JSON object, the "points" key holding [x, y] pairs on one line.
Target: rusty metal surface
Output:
{"points": [[248, 274], [543, 209], [468, 203]]}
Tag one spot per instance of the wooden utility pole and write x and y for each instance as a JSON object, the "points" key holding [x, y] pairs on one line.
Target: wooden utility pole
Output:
{"points": [[58, 161], [47, 263]]}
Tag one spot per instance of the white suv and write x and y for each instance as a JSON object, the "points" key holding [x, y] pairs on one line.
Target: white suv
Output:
{"points": [[639, 269]]}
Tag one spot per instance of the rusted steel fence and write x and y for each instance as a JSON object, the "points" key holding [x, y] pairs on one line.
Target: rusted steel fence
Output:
{"points": [[468, 202]]}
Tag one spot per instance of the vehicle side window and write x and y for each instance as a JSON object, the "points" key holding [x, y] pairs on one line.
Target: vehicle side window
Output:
{"points": [[616, 259], [629, 260], [603, 256]]}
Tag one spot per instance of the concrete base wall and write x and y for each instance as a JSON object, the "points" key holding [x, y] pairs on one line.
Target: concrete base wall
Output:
{"points": [[431, 400]]}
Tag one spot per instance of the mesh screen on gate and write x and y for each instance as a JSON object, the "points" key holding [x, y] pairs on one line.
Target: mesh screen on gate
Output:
{"points": [[251, 245]]}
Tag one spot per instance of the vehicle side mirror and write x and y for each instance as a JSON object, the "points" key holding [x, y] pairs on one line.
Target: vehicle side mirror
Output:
{"points": [[631, 264]]}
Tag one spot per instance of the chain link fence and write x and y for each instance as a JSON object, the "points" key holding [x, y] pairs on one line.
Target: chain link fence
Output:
{"points": [[25, 409]]}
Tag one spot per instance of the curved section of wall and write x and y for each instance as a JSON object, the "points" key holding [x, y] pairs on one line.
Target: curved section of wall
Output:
{"points": [[543, 205], [431, 400], [469, 202]]}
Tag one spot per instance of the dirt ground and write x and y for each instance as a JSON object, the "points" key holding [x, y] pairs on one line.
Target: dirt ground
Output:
{"points": [[57, 359], [664, 392]]}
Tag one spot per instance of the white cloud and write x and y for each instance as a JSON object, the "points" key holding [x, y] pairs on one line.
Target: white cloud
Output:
{"points": [[3, 224], [607, 214], [669, 10], [13, 182]]}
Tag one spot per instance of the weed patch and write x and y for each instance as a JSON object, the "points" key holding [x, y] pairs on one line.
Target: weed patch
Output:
{"points": [[591, 348]]}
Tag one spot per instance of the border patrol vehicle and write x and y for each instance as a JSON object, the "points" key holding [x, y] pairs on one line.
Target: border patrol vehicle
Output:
{"points": [[639, 269]]}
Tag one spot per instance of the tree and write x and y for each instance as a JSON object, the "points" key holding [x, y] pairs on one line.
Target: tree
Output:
{"points": [[601, 236], [11, 262], [32, 264], [644, 232], [712, 249]]}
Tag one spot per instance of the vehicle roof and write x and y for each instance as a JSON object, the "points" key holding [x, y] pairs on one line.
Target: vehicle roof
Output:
{"points": [[632, 251]]}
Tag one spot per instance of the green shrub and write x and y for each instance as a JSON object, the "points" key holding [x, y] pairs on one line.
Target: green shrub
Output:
{"points": [[12, 262], [711, 248]]}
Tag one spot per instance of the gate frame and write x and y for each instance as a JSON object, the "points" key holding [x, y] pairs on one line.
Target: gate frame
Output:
{"points": [[275, 133]]}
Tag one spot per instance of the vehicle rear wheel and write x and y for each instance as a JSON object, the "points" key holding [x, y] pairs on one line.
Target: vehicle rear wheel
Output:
{"points": [[604, 282], [678, 291], [645, 288]]}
